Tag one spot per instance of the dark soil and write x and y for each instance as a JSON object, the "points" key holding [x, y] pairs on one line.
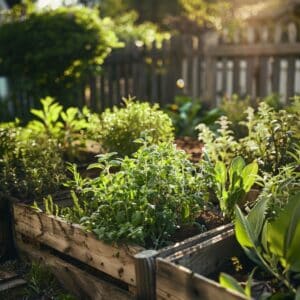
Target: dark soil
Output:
{"points": [[207, 220], [191, 146]]}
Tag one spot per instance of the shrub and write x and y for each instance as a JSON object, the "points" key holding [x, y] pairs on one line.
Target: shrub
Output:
{"points": [[122, 126], [28, 168], [155, 192], [48, 53]]}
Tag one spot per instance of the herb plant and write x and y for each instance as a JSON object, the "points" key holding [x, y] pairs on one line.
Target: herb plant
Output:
{"points": [[154, 193], [234, 182], [70, 128], [120, 127]]}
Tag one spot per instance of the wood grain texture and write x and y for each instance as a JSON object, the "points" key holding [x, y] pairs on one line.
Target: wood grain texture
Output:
{"points": [[73, 279], [180, 276], [178, 283], [72, 240]]}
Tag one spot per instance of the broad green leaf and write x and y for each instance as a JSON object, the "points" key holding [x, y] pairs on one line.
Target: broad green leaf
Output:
{"points": [[37, 113], [297, 296], [243, 231], [231, 283], [281, 232], [256, 217], [237, 165], [249, 175], [220, 172]]}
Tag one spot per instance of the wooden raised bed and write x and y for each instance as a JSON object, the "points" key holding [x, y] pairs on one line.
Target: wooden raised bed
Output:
{"points": [[183, 274], [75, 254]]}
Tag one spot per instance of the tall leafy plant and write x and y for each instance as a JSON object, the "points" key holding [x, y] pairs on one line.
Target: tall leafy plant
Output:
{"points": [[234, 182]]}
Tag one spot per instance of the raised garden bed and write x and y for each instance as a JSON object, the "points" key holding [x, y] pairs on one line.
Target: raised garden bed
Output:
{"points": [[185, 274], [74, 254]]}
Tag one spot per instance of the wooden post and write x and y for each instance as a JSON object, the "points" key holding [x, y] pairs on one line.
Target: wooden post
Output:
{"points": [[145, 274]]}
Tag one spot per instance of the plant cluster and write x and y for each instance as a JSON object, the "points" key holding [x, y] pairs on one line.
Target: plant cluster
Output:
{"points": [[153, 194], [120, 127], [70, 43], [186, 113], [271, 137], [28, 168], [71, 129]]}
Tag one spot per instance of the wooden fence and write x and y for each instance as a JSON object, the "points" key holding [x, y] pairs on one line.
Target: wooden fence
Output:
{"points": [[255, 62]]}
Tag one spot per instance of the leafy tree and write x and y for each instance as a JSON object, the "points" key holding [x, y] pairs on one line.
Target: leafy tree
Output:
{"points": [[69, 43]]}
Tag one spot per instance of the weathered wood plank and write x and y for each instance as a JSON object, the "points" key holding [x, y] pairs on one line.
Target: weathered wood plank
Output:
{"points": [[175, 282], [255, 50], [73, 279], [181, 275], [71, 239]]}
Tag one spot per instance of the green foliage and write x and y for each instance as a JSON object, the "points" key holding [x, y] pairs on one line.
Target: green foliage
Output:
{"points": [[43, 285], [234, 109], [271, 138], [69, 43], [233, 183], [128, 30], [28, 168], [154, 193], [272, 244], [231, 283], [70, 128], [220, 145], [120, 127], [280, 188]]}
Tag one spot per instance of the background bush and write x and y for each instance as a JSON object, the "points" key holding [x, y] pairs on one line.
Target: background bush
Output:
{"points": [[28, 168], [48, 53], [122, 126]]}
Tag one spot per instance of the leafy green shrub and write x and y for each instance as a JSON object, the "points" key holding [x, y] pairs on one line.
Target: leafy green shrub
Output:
{"points": [[28, 168], [69, 43], [120, 127], [153, 194], [271, 138], [70, 128]]}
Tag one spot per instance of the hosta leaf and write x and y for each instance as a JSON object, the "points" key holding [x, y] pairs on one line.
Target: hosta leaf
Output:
{"points": [[231, 283], [236, 167], [249, 175], [282, 232], [220, 172], [243, 230], [256, 217]]}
